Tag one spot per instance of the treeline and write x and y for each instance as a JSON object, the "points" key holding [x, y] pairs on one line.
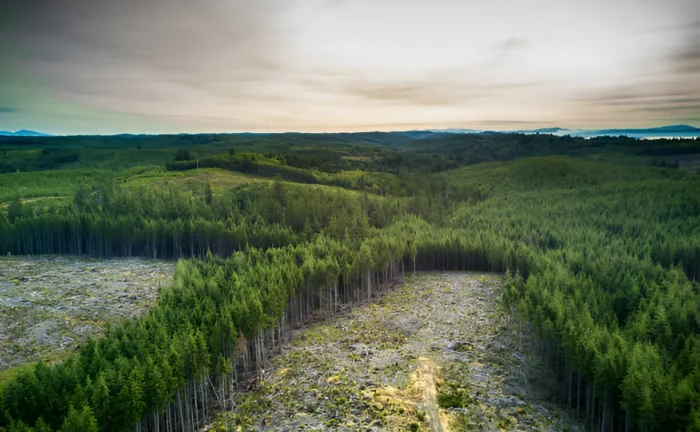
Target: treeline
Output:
{"points": [[46, 159], [105, 220], [417, 151], [107, 236], [469, 149]]}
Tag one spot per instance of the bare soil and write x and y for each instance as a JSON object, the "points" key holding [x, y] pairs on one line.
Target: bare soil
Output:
{"points": [[434, 354], [49, 305]]}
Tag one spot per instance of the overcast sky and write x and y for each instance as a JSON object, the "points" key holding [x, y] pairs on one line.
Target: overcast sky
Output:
{"points": [[159, 66]]}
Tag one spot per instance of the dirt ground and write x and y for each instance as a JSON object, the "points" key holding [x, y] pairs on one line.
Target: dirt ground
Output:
{"points": [[49, 305], [435, 354]]}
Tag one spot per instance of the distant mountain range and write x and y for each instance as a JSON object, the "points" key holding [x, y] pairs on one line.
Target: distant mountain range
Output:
{"points": [[675, 131], [24, 132]]}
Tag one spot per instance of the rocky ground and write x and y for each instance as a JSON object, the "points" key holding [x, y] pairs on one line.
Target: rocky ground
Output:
{"points": [[433, 354], [48, 305]]}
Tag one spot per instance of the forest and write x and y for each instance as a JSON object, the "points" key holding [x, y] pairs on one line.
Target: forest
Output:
{"points": [[599, 240]]}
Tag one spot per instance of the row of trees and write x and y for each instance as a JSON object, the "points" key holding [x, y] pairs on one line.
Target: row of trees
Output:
{"points": [[104, 220], [106, 236]]}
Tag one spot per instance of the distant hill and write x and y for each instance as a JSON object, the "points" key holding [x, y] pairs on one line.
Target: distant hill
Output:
{"points": [[552, 130], [676, 128], [455, 131], [674, 131], [24, 132]]}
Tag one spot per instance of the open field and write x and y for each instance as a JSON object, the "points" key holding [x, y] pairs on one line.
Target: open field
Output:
{"points": [[219, 179]]}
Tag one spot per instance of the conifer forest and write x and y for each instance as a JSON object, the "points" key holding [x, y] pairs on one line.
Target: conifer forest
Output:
{"points": [[598, 241]]}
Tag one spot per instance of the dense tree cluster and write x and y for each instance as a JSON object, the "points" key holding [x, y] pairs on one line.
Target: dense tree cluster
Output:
{"points": [[294, 153], [107, 221], [605, 273]]}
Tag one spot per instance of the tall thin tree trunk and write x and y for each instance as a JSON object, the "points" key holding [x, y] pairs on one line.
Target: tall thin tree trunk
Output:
{"points": [[578, 396], [571, 386], [196, 408], [603, 418], [179, 404], [369, 285]]}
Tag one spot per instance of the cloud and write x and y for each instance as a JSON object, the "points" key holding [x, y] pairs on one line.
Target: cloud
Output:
{"points": [[426, 92], [140, 56], [687, 109], [507, 53], [511, 44], [674, 28], [330, 4], [231, 64], [512, 122], [646, 97], [446, 87], [664, 83], [687, 59], [642, 94]]}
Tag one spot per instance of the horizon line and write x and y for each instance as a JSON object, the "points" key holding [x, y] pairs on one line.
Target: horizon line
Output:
{"points": [[428, 130]]}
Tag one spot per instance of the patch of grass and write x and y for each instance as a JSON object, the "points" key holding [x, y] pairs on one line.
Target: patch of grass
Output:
{"points": [[218, 179], [454, 390], [42, 184]]}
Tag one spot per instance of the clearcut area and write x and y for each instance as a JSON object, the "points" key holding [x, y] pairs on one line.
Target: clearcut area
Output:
{"points": [[434, 354], [49, 305]]}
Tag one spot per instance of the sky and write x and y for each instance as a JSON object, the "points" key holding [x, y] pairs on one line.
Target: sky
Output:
{"points": [[172, 66]]}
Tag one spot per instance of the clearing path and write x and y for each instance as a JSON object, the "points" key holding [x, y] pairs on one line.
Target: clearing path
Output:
{"points": [[430, 400], [435, 354]]}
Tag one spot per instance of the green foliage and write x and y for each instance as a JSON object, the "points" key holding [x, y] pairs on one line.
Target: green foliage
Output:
{"points": [[183, 155], [80, 421], [602, 259]]}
